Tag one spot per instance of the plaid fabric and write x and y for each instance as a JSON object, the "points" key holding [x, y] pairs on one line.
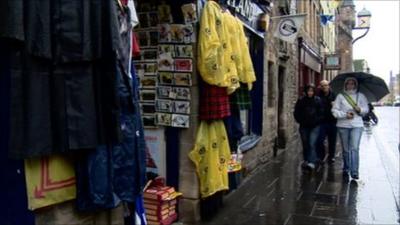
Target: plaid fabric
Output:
{"points": [[214, 102], [241, 98]]}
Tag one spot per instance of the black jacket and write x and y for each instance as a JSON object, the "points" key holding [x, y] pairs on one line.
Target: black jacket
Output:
{"points": [[308, 112], [326, 101]]}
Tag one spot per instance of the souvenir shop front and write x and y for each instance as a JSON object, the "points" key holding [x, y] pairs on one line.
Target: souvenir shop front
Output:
{"points": [[98, 104]]}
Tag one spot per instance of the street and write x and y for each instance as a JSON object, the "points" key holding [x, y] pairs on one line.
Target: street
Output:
{"points": [[280, 192]]}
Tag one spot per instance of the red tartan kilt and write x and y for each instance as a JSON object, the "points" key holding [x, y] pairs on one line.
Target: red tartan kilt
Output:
{"points": [[214, 103]]}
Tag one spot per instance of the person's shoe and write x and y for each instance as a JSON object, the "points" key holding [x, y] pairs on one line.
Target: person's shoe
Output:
{"points": [[355, 177], [331, 160], [304, 164], [311, 166]]}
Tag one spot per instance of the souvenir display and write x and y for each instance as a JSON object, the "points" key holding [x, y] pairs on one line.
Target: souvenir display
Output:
{"points": [[165, 64]]}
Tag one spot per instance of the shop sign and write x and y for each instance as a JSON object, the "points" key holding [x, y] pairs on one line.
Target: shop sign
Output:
{"points": [[332, 62]]}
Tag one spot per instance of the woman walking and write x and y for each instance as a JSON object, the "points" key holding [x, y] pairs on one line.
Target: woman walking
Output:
{"points": [[308, 113], [348, 108]]}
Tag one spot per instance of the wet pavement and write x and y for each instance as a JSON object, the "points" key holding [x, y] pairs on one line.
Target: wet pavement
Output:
{"points": [[280, 192]]}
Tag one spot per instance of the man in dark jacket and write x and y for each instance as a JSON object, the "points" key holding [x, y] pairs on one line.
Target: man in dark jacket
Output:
{"points": [[328, 124], [308, 113]]}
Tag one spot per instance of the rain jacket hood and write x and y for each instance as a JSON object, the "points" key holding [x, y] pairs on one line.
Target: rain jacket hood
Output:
{"points": [[356, 85]]}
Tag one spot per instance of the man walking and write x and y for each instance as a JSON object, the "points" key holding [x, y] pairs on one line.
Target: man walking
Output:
{"points": [[328, 125]]}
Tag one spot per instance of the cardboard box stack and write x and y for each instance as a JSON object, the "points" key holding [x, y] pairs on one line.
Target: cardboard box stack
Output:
{"points": [[160, 205]]}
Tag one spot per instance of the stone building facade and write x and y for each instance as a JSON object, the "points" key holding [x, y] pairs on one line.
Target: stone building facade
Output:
{"points": [[346, 22]]}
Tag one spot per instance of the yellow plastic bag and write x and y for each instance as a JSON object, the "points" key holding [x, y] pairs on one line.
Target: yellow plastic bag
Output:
{"points": [[49, 180], [211, 155]]}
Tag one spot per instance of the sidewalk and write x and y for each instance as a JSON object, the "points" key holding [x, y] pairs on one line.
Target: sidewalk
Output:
{"points": [[280, 192]]}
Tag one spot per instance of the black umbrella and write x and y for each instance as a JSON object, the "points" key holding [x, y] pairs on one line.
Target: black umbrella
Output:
{"points": [[373, 87]]}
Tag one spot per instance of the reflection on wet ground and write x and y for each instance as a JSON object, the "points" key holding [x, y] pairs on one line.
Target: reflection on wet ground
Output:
{"points": [[282, 193]]}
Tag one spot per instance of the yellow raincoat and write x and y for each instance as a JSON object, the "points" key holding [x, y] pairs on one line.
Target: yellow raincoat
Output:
{"points": [[244, 64], [211, 155], [215, 61], [241, 54]]}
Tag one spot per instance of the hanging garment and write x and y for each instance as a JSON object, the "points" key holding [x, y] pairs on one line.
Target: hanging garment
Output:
{"points": [[111, 174], [240, 99], [234, 128], [211, 155], [59, 106], [11, 23], [12, 173], [215, 50], [245, 70], [214, 102]]}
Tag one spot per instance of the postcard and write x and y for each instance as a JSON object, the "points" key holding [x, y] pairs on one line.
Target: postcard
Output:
{"points": [[165, 62], [189, 36], [147, 81], [163, 91], [184, 51], [164, 119], [150, 68], [177, 33], [166, 49], [148, 108], [153, 38], [144, 39], [147, 95], [182, 107], [164, 13], [164, 33], [183, 79], [183, 65], [182, 93], [166, 78], [180, 120], [164, 105], [189, 13], [149, 120], [149, 54]]}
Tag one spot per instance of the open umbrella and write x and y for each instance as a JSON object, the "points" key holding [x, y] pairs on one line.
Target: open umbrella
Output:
{"points": [[373, 87]]}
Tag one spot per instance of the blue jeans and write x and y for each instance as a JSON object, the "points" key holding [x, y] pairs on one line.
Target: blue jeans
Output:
{"points": [[309, 140], [350, 138], [327, 130]]}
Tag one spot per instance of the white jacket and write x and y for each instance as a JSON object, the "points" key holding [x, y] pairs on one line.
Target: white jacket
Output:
{"points": [[341, 107]]}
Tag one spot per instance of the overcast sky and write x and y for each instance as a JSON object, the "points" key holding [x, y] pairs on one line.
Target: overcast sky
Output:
{"points": [[381, 45]]}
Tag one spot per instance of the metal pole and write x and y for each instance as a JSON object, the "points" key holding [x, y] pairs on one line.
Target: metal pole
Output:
{"points": [[366, 32]]}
